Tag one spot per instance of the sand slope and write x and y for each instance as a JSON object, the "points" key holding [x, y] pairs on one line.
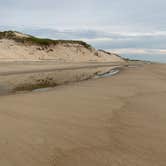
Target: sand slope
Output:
{"points": [[11, 49]]}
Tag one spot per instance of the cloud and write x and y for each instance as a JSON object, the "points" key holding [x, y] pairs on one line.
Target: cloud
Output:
{"points": [[140, 51], [152, 42], [123, 26], [92, 14]]}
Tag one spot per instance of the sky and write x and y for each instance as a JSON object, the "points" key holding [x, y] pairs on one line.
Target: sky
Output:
{"points": [[123, 26]]}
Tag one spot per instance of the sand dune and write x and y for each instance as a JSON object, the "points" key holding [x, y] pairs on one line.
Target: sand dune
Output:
{"points": [[18, 46]]}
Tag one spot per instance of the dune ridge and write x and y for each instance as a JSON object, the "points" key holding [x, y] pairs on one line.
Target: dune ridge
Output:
{"points": [[18, 46]]}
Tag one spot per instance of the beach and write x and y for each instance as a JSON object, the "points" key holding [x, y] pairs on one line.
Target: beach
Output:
{"points": [[117, 121], [31, 75]]}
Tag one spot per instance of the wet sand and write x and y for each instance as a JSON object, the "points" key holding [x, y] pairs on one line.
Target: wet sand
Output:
{"points": [[23, 76], [113, 121]]}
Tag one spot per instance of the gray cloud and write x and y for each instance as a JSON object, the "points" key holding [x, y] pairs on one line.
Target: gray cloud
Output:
{"points": [[123, 25], [102, 39], [128, 14]]}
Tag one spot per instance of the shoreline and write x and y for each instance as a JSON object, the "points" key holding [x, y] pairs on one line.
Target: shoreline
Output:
{"points": [[29, 80], [46, 76]]}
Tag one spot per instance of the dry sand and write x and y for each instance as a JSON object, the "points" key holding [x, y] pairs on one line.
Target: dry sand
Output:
{"points": [[116, 121], [14, 51]]}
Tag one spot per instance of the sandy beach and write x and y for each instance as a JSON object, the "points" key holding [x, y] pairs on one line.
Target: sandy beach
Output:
{"points": [[25, 76], [82, 83], [117, 121]]}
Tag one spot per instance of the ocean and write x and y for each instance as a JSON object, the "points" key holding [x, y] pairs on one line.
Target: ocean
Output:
{"points": [[161, 58]]}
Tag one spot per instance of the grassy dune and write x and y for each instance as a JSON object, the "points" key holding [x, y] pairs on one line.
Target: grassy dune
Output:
{"points": [[38, 41]]}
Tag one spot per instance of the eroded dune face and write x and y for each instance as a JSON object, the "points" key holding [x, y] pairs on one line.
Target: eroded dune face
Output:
{"points": [[12, 49]]}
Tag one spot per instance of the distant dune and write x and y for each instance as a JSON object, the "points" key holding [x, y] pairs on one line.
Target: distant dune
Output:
{"points": [[18, 46]]}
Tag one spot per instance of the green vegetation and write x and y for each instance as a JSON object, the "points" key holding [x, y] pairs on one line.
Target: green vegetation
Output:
{"points": [[39, 83], [7, 35], [39, 41], [106, 52], [133, 60], [30, 87]]}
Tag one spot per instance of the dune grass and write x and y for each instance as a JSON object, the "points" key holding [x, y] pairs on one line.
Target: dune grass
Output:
{"points": [[39, 41]]}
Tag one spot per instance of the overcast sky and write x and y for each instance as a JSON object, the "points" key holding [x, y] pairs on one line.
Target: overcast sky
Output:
{"points": [[104, 14], [109, 24]]}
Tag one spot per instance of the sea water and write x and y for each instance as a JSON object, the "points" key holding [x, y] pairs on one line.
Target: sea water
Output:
{"points": [[161, 58]]}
